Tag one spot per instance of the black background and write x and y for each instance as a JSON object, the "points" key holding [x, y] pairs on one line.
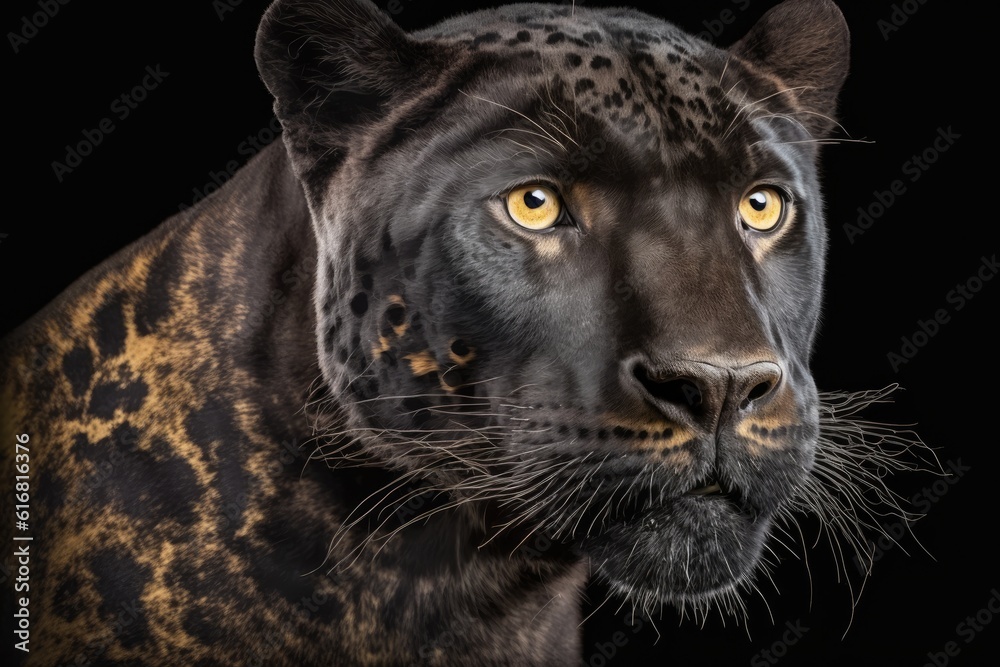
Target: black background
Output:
{"points": [[929, 74]]}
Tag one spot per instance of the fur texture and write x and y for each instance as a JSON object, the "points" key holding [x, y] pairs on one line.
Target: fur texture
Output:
{"points": [[348, 411]]}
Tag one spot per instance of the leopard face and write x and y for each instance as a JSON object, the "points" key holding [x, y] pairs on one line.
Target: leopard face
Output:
{"points": [[570, 268]]}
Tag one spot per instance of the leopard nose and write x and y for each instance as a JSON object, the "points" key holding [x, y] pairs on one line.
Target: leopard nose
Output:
{"points": [[700, 392]]}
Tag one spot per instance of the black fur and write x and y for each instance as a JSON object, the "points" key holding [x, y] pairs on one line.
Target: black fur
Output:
{"points": [[392, 426]]}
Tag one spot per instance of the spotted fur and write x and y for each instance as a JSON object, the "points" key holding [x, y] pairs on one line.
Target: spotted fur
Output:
{"points": [[346, 411]]}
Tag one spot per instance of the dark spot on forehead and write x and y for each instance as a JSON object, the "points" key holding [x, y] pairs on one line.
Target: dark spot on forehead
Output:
{"points": [[359, 304], [523, 36], [487, 38], [597, 62], [583, 85], [573, 60], [640, 60], [555, 38], [366, 281], [698, 104]]}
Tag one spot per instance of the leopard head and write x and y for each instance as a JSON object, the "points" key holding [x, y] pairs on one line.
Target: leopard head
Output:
{"points": [[571, 267]]}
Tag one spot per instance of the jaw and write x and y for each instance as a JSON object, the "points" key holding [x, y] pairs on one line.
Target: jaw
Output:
{"points": [[691, 550]]}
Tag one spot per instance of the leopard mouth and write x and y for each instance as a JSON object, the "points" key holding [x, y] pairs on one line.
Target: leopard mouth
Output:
{"points": [[648, 551], [709, 488], [715, 488]]}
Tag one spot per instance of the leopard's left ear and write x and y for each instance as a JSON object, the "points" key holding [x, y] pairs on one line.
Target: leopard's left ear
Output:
{"points": [[805, 43], [334, 66]]}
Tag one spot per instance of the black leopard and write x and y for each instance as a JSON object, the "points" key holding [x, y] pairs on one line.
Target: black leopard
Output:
{"points": [[524, 298]]}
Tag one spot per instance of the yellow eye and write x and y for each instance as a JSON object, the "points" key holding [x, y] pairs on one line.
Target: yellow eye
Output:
{"points": [[534, 207], [762, 209]]}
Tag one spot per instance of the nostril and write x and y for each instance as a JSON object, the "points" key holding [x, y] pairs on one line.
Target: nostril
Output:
{"points": [[759, 391], [685, 388], [762, 388], [672, 389]]}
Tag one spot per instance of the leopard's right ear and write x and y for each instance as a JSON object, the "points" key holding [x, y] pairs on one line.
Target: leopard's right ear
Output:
{"points": [[332, 65], [807, 45]]}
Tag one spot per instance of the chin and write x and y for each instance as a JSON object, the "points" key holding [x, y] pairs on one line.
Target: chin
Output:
{"points": [[691, 550]]}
